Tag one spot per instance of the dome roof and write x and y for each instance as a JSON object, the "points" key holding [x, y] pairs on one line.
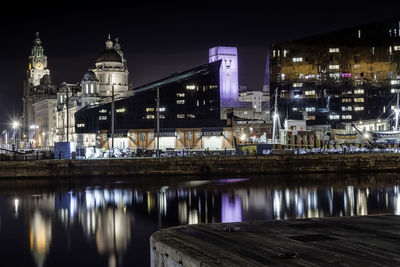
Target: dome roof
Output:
{"points": [[89, 76], [109, 55]]}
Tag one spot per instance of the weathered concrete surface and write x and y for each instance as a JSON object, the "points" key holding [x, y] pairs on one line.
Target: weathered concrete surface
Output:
{"points": [[239, 165], [346, 241]]}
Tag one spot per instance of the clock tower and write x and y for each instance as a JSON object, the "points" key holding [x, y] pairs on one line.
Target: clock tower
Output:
{"points": [[37, 83], [37, 63]]}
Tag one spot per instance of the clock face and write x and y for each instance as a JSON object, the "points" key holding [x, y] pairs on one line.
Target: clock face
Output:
{"points": [[39, 65]]}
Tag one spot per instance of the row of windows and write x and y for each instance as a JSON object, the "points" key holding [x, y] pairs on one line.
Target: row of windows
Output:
{"points": [[277, 53], [357, 100], [337, 117]]}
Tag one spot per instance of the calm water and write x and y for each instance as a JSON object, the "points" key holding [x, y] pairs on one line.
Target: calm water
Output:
{"points": [[108, 223]]}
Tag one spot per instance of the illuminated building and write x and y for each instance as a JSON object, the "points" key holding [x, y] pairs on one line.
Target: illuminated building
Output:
{"points": [[347, 75], [190, 114]]}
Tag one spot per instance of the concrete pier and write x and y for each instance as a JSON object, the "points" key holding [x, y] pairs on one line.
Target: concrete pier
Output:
{"points": [[204, 166], [345, 241]]}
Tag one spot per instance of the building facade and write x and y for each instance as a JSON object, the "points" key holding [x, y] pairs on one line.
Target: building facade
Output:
{"points": [[338, 77], [189, 114], [37, 85]]}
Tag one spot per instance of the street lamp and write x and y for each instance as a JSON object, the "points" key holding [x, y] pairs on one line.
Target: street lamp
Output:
{"points": [[15, 125]]}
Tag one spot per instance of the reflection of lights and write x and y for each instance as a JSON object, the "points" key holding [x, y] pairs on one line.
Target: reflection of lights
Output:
{"points": [[193, 217], [361, 203], [396, 200], [243, 137], [182, 212], [163, 202], [39, 237], [73, 205], [16, 205], [277, 204], [231, 208]]}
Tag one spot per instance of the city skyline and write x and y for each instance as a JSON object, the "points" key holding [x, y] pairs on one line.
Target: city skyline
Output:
{"points": [[177, 39]]}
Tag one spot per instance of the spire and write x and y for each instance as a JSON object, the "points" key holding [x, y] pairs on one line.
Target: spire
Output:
{"points": [[109, 43], [117, 46], [37, 40]]}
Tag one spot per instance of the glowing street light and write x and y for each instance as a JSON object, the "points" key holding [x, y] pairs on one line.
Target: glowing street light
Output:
{"points": [[15, 126]]}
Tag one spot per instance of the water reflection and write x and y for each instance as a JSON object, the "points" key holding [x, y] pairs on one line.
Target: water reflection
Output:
{"points": [[116, 221]]}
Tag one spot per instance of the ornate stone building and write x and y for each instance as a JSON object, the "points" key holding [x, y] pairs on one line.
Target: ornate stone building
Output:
{"points": [[37, 85]]}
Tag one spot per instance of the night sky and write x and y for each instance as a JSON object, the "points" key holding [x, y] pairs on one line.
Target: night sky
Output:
{"points": [[161, 38]]}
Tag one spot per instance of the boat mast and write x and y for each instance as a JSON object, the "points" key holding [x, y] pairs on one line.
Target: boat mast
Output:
{"points": [[275, 123]]}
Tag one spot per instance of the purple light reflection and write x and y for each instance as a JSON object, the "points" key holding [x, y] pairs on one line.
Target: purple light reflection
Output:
{"points": [[231, 208]]}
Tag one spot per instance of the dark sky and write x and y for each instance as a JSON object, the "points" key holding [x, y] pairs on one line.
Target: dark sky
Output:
{"points": [[161, 38]]}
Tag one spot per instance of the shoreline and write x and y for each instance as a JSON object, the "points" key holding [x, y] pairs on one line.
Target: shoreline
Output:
{"points": [[203, 166]]}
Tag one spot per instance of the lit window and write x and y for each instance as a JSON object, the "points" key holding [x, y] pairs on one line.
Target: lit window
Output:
{"points": [[310, 109], [189, 135], [346, 74], [334, 75], [162, 109], [213, 86], [294, 109], [102, 118], [358, 108], [359, 99], [80, 125], [87, 88], [162, 116], [103, 111], [333, 50], [396, 48], [359, 91], [113, 79], [297, 59], [395, 82], [346, 92], [180, 94], [347, 108], [180, 101], [297, 84], [334, 67], [310, 118], [149, 109], [191, 87], [180, 116], [92, 88], [191, 116], [282, 76], [309, 92], [393, 90], [334, 117], [120, 110], [346, 117], [149, 116], [346, 100], [285, 52]]}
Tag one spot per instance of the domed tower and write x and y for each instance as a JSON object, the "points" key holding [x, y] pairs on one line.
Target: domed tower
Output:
{"points": [[111, 70], [89, 88]]}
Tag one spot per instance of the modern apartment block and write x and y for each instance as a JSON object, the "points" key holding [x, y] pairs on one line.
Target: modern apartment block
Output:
{"points": [[338, 77]]}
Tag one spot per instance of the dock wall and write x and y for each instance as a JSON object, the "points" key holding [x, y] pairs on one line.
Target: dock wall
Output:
{"points": [[230, 165]]}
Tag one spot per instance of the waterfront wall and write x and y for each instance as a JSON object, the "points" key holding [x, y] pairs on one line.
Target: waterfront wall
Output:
{"points": [[230, 165]]}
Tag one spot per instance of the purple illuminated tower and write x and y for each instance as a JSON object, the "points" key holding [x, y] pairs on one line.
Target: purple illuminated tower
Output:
{"points": [[228, 74]]}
